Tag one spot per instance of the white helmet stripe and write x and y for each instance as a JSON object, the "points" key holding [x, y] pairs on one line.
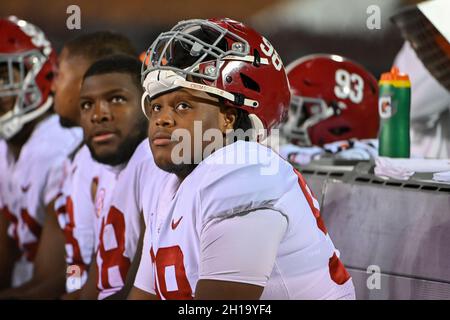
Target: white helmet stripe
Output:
{"points": [[161, 81]]}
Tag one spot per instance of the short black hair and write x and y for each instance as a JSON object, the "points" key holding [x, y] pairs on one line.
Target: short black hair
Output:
{"points": [[117, 64], [96, 45], [242, 119]]}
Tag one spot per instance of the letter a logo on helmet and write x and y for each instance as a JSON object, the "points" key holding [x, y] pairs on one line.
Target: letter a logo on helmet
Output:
{"points": [[222, 57]]}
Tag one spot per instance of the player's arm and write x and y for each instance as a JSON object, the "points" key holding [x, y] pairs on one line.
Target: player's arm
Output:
{"points": [[49, 265], [226, 290], [143, 288], [89, 291], [9, 253], [248, 245], [131, 275]]}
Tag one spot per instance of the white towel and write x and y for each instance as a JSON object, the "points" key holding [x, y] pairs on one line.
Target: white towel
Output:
{"points": [[352, 149], [403, 169], [442, 176]]}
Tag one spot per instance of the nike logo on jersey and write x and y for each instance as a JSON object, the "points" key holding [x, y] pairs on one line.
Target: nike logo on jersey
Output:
{"points": [[175, 224], [25, 188]]}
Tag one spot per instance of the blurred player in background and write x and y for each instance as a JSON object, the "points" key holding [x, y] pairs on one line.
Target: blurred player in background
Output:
{"points": [[114, 126], [333, 112], [32, 153], [221, 226], [430, 108], [75, 204], [425, 57]]}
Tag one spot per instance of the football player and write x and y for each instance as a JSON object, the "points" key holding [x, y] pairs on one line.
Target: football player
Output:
{"points": [[113, 128], [75, 205], [334, 110], [232, 221], [34, 146]]}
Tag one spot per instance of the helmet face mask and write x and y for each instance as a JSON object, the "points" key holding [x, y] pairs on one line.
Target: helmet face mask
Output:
{"points": [[333, 99], [224, 58], [190, 43], [24, 89], [27, 70], [304, 112]]}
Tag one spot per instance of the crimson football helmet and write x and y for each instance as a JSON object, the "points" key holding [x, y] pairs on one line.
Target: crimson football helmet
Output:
{"points": [[225, 58], [333, 98], [28, 63]]}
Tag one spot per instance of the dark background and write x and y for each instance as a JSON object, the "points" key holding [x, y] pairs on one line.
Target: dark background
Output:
{"points": [[295, 27]]}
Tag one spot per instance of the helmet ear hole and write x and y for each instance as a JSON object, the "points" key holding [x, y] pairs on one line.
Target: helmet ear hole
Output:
{"points": [[249, 83], [49, 76], [339, 131]]}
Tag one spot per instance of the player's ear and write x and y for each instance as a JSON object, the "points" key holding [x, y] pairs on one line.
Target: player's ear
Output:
{"points": [[229, 118]]}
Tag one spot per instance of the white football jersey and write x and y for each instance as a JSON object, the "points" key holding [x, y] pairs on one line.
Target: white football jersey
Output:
{"points": [[29, 184], [235, 180], [118, 225], [76, 215]]}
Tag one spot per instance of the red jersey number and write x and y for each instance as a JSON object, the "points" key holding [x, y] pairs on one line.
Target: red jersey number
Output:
{"points": [[164, 259], [114, 257]]}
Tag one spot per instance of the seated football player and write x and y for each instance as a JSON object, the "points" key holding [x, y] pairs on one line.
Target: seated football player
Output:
{"points": [[32, 152], [333, 112], [75, 205], [233, 220], [115, 130]]}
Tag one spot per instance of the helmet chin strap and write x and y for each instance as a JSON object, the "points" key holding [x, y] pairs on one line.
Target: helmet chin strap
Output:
{"points": [[144, 96], [12, 126], [259, 133]]}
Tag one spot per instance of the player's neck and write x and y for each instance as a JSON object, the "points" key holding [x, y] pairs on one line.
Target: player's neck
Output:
{"points": [[186, 170], [183, 176], [16, 143]]}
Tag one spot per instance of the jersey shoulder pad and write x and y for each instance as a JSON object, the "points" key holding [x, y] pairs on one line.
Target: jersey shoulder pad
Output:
{"points": [[229, 187]]}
